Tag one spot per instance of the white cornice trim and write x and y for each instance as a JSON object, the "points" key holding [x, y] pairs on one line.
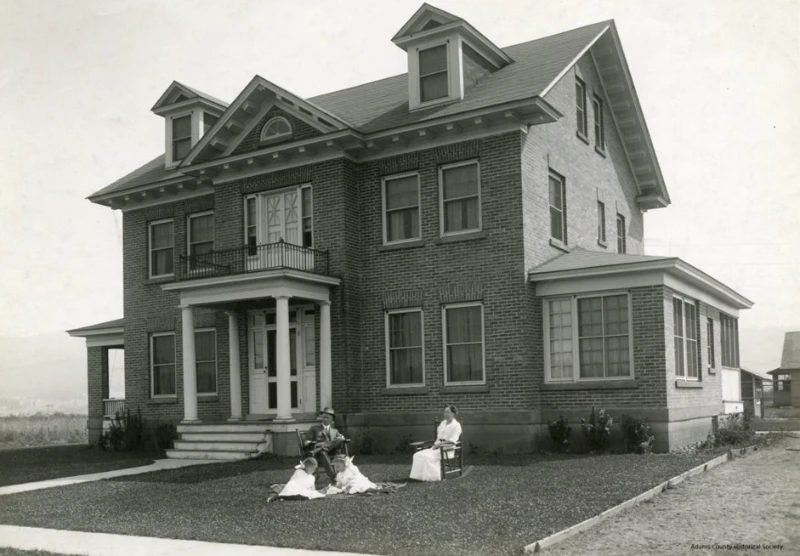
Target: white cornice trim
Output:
{"points": [[96, 332], [574, 61], [251, 277]]}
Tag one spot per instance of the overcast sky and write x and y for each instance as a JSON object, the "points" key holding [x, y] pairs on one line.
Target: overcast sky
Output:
{"points": [[719, 82]]}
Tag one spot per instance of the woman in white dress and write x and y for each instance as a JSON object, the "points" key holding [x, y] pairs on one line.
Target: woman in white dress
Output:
{"points": [[427, 463]]}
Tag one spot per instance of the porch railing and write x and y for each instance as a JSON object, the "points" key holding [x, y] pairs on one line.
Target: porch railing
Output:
{"points": [[252, 258], [112, 406]]}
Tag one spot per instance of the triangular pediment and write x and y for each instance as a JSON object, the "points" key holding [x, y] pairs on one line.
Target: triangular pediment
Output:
{"points": [[178, 93], [425, 18], [245, 117]]}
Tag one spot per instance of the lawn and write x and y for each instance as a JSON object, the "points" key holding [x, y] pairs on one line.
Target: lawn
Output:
{"points": [[5, 551], [499, 506], [26, 465], [19, 431]]}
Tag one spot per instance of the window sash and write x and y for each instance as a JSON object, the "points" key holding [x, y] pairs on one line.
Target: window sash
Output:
{"points": [[580, 105], [401, 208], [729, 328], [460, 194], [599, 127], [162, 365], [307, 204], [181, 137], [162, 248], [464, 344], [601, 222], [710, 342], [433, 73], [556, 196], [685, 339], [404, 346], [621, 243]]}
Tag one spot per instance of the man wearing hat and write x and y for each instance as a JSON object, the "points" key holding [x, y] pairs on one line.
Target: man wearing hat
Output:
{"points": [[324, 442]]}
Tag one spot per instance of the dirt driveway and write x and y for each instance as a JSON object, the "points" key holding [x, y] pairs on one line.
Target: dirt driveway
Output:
{"points": [[753, 500]]}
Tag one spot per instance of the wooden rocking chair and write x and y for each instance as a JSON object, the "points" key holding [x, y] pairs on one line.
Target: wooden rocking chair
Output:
{"points": [[452, 454], [305, 451]]}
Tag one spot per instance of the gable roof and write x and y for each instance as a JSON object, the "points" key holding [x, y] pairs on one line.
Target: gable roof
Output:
{"points": [[790, 358], [179, 88]]}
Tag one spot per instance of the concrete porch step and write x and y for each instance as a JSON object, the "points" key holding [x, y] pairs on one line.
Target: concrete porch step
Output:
{"points": [[219, 446], [224, 427], [223, 436], [209, 454]]}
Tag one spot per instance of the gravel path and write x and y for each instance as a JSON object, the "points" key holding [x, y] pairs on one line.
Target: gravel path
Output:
{"points": [[752, 500]]}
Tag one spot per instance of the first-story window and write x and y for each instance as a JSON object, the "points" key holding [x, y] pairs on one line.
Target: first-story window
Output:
{"points": [[401, 208], [591, 333], [460, 193], [205, 346], [729, 331], [463, 343], [710, 342], [685, 334], [162, 364], [404, 347], [162, 248]]}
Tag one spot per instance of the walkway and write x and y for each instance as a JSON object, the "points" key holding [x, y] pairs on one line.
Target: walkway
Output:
{"points": [[102, 544], [158, 465], [752, 500]]}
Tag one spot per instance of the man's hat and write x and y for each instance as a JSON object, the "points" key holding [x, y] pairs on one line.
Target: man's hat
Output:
{"points": [[329, 411]]}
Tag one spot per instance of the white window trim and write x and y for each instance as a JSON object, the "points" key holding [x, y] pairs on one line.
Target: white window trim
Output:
{"points": [[387, 314], [152, 368], [685, 375], [444, 342], [442, 169], [448, 96], [711, 344], [278, 137], [598, 117], [216, 361], [196, 128], [383, 207], [150, 248], [576, 363], [303, 215], [585, 132], [455, 78]]}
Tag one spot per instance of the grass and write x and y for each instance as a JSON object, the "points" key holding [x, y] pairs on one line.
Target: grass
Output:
{"points": [[41, 429], [52, 462], [5, 551], [494, 509]]}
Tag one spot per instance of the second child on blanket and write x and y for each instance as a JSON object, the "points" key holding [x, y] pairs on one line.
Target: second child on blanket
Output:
{"points": [[301, 485], [349, 479]]}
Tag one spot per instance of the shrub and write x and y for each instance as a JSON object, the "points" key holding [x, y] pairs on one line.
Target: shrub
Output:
{"points": [[134, 431], [559, 434], [166, 434], [638, 435], [598, 430], [366, 443], [737, 431]]}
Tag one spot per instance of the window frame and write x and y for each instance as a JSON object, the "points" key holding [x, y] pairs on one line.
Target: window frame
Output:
{"points": [[731, 330], [259, 217], [576, 362], [150, 225], [304, 216], [388, 348], [189, 233], [601, 223], [216, 361], [563, 209], [192, 118], [711, 364], [420, 50], [442, 169], [684, 375], [385, 227], [445, 307], [581, 106], [622, 241], [599, 123], [153, 395], [280, 136]]}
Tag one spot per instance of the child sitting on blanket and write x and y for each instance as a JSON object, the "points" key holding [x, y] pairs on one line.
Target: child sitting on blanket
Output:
{"points": [[349, 479], [301, 485]]}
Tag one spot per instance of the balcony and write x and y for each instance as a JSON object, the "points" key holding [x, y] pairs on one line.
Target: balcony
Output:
{"points": [[252, 258]]}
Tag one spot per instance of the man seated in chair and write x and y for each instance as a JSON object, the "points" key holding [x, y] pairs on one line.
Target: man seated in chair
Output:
{"points": [[324, 442]]}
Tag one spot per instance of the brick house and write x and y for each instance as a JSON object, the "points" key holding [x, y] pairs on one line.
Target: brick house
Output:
{"points": [[468, 233]]}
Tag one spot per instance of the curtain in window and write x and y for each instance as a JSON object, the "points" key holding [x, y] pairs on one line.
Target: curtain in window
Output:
{"points": [[161, 243], [402, 208], [206, 358], [464, 344], [164, 365], [405, 348], [460, 198], [433, 73]]}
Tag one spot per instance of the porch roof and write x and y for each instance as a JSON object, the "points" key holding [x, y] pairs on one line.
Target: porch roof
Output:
{"points": [[108, 327], [581, 263]]}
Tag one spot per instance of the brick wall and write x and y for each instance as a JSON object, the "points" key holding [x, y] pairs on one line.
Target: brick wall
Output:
{"points": [[589, 176], [97, 370], [300, 131]]}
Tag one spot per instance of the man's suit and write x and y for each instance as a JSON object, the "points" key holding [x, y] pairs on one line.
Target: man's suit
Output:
{"points": [[323, 445]]}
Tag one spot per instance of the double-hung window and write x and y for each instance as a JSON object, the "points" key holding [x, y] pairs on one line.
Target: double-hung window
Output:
{"points": [[685, 335], [463, 343], [205, 342], [729, 331], [401, 200], [599, 124], [710, 343], [181, 137], [601, 223], [621, 241], [201, 240], [162, 365], [404, 348], [433, 79], [580, 106], [588, 338], [558, 221], [308, 216], [161, 248], [460, 194]]}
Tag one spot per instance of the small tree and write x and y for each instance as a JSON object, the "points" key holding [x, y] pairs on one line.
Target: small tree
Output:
{"points": [[598, 430], [559, 434]]}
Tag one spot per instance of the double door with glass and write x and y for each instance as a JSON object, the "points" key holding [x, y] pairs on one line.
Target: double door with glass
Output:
{"points": [[277, 226]]}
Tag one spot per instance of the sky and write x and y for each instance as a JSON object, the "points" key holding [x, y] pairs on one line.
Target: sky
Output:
{"points": [[719, 82]]}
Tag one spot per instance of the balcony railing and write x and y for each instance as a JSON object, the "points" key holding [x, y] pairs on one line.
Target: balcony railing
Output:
{"points": [[252, 258], [113, 406]]}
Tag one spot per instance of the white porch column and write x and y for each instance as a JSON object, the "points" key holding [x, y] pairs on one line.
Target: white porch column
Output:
{"points": [[283, 359], [189, 367], [325, 395], [235, 370]]}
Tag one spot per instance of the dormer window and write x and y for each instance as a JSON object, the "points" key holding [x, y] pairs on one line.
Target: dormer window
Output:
{"points": [[181, 137], [433, 83], [276, 129]]}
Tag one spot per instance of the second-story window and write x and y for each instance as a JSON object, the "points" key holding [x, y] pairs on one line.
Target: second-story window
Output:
{"points": [[460, 194], [162, 248], [200, 239], [601, 223], [308, 222], [401, 208], [558, 223], [433, 73], [599, 125], [580, 106], [621, 243], [250, 225], [181, 137]]}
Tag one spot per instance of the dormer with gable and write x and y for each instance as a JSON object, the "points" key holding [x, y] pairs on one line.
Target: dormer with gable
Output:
{"points": [[446, 57], [188, 114]]}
